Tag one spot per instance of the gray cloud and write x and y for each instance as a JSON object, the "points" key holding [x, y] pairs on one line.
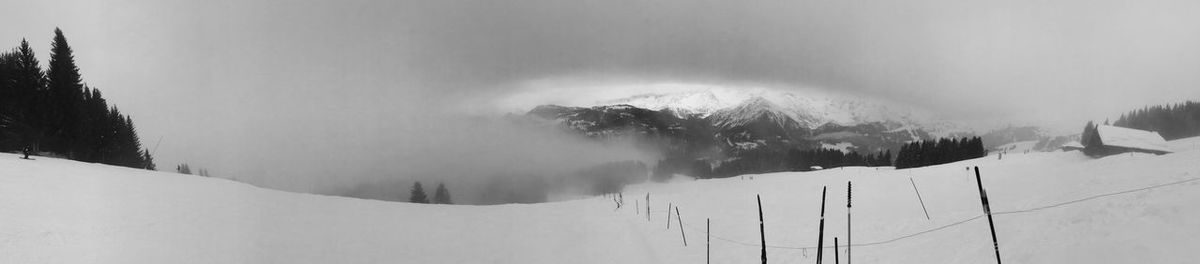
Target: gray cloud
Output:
{"points": [[302, 95], [971, 59]]}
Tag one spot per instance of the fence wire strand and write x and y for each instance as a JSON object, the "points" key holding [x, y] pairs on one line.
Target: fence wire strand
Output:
{"points": [[943, 227]]}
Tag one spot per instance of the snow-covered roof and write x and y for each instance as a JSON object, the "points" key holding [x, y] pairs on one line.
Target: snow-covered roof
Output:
{"points": [[1132, 138], [1073, 144]]}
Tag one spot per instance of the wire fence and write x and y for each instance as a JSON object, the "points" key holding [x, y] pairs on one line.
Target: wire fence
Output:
{"points": [[943, 227]]}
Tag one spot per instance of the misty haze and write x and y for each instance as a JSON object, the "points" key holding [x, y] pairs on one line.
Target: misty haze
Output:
{"points": [[539, 131]]}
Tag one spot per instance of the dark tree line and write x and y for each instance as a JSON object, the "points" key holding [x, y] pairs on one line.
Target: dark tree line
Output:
{"points": [[440, 196], [52, 111], [1090, 137], [804, 160], [1171, 121], [945, 150]]}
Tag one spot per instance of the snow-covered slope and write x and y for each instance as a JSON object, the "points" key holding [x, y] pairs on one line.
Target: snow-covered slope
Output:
{"points": [[1058, 207]]}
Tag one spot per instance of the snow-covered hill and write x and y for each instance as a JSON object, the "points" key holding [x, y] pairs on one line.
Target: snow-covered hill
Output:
{"points": [[1056, 207]]}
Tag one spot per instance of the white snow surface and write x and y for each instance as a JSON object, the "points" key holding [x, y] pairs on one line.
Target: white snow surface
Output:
{"points": [[1051, 207], [1132, 138]]}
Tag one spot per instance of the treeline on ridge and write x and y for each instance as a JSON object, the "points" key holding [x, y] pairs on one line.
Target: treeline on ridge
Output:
{"points": [[52, 111], [1171, 121], [942, 151], [805, 160]]}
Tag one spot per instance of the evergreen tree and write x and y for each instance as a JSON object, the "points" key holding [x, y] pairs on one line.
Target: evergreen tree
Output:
{"points": [[941, 151], [1171, 121], [148, 161], [21, 84], [441, 195], [803, 160], [53, 111], [65, 94], [93, 126], [417, 195], [1090, 137], [8, 137]]}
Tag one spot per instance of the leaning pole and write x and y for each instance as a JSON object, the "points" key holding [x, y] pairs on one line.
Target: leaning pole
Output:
{"points": [[762, 230], [821, 232], [987, 209]]}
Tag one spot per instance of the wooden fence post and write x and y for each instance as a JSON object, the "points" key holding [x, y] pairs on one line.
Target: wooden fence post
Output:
{"points": [[821, 229], [848, 196], [680, 219], [669, 205], [914, 185], [762, 230], [707, 240], [835, 251], [987, 209]]}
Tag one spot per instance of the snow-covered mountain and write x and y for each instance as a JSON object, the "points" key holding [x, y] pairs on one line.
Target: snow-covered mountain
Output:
{"points": [[809, 108], [759, 108], [750, 130]]}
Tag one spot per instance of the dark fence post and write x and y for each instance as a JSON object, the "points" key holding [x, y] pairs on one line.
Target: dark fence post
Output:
{"points": [[848, 191], [647, 207], [707, 240], [835, 251], [762, 230], [987, 209], [821, 231], [680, 219], [669, 205], [914, 185]]}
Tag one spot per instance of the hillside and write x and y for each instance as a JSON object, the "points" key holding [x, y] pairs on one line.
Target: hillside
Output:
{"points": [[1056, 207]]}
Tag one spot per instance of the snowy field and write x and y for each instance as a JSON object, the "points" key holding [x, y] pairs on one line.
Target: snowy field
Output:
{"points": [[1050, 208]]}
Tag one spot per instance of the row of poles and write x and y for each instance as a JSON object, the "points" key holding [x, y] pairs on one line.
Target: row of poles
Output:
{"points": [[821, 224], [762, 228]]}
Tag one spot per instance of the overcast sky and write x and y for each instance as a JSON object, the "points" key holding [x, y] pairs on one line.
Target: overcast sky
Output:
{"points": [[299, 95]]}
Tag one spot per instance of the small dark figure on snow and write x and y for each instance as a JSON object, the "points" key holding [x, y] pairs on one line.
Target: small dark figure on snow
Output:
{"points": [[26, 151]]}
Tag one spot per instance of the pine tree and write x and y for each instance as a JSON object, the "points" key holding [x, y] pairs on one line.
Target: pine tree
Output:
{"points": [[417, 195], [147, 160], [1171, 121], [8, 137], [66, 92], [1090, 137], [21, 84], [441, 195]]}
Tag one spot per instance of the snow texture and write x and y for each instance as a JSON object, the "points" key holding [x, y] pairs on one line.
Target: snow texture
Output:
{"points": [[1051, 207]]}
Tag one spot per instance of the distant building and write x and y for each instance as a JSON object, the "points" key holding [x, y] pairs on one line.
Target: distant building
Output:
{"points": [[1114, 140], [1072, 146]]}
